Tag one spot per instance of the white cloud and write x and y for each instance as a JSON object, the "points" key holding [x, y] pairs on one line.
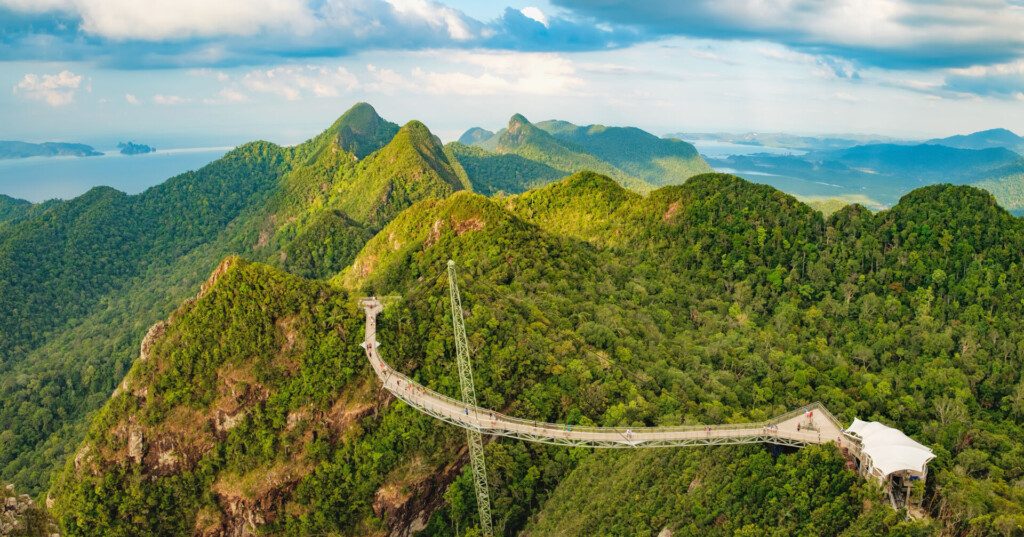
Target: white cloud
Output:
{"points": [[536, 14], [54, 90], [822, 65], [1005, 80], [175, 19], [157, 20], [387, 81], [131, 99], [227, 96], [169, 100], [886, 33], [491, 73], [434, 14], [295, 82], [232, 96]]}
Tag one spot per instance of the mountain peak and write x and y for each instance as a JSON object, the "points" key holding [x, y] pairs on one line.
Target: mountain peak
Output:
{"points": [[417, 134], [359, 113], [360, 130], [518, 121], [998, 131], [475, 135], [998, 137], [411, 167], [416, 126]]}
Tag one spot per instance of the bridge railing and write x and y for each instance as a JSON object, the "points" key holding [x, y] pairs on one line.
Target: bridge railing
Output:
{"points": [[831, 417], [409, 394]]}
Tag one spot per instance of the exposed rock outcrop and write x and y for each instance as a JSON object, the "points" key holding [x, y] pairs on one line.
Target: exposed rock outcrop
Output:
{"points": [[221, 269], [19, 515], [136, 444], [154, 333], [406, 507]]}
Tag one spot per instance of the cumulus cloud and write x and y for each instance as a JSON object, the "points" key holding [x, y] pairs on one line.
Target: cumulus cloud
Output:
{"points": [[904, 34], [199, 33], [176, 19], [536, 14], [433, 14], [131, 99], [453, 73], [1002, 80], [55, 90]]}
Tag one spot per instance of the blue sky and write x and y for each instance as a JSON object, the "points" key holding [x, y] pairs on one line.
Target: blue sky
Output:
{"points": [[194, 72]]}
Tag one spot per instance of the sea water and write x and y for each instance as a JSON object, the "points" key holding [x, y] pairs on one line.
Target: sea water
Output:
{"points": [[42, 178]]}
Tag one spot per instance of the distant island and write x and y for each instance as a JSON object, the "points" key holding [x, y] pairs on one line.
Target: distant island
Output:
{"points": [[13, 149], [132, 148]]}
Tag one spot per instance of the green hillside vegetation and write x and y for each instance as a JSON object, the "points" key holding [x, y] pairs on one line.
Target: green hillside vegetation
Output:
{"points": [[723, 491], [658, 161], [359, 131], [89, 276], [11, 208], [527, 140], [85, 278], [493, 173], [636, 159], [152, 228], [1008, 189], [474, 135], [411, 167], [715, 301], [585, 206]]}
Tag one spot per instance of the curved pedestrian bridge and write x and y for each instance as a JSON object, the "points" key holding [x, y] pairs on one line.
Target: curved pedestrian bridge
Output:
{"points": [[812, 424]]}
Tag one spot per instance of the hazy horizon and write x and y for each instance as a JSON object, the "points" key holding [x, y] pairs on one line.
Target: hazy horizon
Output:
{"points": [[204, 140]]}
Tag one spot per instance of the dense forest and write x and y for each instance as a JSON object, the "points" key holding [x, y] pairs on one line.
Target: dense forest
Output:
{"points": [[523, 155], [84, 279], [715, 301]]}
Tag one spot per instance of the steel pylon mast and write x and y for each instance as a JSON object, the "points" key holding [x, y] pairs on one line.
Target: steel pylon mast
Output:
{"points": [[476, 444]]}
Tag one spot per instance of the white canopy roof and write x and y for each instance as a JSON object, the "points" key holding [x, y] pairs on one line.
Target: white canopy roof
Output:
{"points": [[890, 450]]}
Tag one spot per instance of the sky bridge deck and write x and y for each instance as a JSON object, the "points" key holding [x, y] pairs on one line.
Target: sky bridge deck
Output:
{"points": [[812, 424]]}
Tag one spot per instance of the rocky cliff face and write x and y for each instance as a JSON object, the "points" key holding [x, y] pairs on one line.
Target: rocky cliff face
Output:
{"points": [[408, 505], [20, 517], [238, 404]]}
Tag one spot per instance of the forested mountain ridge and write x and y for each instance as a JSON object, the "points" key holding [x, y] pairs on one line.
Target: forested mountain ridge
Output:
{"points": [[474, 135], [413, 166], [84, 279], [983, 140], [713, 301], [12, 207], [359, 131], [928, 163], [658, 161], [636, 159], [69, 266], [15, 149]]}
